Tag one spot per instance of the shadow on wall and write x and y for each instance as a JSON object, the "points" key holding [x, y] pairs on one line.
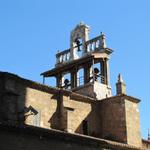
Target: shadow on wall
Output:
{"points": [[63, 119], [59, 118], [53, 121], [13, 94], [90, 125], [14, 109]]}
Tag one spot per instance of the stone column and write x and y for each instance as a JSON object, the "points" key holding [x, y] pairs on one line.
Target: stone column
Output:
{"points": [[87, 72], [59, 80], [105, 71], [102, 71], [73, 78], [61, 112], [107, 74]]}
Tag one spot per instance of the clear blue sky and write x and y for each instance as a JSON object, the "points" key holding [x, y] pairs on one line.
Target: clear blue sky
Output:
{"points": [[31, 32]]}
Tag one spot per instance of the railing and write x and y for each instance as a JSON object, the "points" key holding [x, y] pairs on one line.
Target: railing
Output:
{"points": [[98, 78], [63, 56], [80, 81], [95, 44]]}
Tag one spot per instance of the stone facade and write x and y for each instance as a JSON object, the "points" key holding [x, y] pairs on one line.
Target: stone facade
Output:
{"points": [[120, 120], [72, 115], [27, 102], [146, 144]]}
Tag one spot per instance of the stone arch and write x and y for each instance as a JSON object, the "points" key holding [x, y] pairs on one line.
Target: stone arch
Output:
{"points": [[81, 31]]}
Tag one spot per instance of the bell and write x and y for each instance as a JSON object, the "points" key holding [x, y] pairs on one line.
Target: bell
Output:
{"points": [[66, 83], [77, 41], [96, 71]]}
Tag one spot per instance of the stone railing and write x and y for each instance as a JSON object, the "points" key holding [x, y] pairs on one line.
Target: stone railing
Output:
{"points": [[63, 56], [95, 44]]}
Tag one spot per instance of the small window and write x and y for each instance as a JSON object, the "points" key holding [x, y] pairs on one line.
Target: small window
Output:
{"points": [[37, 119], [85, 127]]}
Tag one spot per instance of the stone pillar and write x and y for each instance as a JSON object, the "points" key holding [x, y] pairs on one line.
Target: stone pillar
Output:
{"points": [[61, 114], [77, 79], [107, 72], [103, 79], [59, 80], [120, 86], [103, 40], [73, 78], [87, 73]]}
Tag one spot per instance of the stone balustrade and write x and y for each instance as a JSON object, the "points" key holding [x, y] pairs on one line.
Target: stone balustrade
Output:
{"points": [[93, 45], [63, 56]]}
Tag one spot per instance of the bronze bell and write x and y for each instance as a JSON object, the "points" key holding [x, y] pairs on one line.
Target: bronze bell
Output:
{"points": [[77, 41]]}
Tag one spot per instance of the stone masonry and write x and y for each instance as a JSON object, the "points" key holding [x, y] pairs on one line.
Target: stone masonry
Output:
{"points": [[80, 112], [112, 118]]}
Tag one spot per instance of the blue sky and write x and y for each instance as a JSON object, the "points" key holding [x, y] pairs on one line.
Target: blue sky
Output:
{"points": [[31, 32]]}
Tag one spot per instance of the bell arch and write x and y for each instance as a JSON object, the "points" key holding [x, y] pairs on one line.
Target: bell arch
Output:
{"points": [[78, 38]]}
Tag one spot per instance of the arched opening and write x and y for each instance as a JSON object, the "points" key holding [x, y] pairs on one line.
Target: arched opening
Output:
{"points": [[96, 73], [66, 80], [80, 77], [78, 47], [49, 81]]}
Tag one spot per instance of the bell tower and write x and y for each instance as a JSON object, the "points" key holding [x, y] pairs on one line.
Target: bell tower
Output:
{"points": [[84, 67], [78, 38]]}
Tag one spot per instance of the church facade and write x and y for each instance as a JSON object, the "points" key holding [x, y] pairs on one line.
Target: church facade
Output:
{"points": [[80, 112]]}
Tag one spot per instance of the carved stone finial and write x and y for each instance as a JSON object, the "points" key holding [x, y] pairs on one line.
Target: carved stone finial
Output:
{"points": [[120, 86], [120, 78]]}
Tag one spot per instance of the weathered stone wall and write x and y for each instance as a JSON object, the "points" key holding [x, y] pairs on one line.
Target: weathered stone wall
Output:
{"points": [[146, 144], [133, 123], [12, 96], [120, 120], [23, 101], [21, 94], [113, 123], [87, 90], [78, 113], [45, 103], [31, 141]]}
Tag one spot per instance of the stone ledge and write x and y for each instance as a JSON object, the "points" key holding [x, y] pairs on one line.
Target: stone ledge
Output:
{"points": [[130, 98]]}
